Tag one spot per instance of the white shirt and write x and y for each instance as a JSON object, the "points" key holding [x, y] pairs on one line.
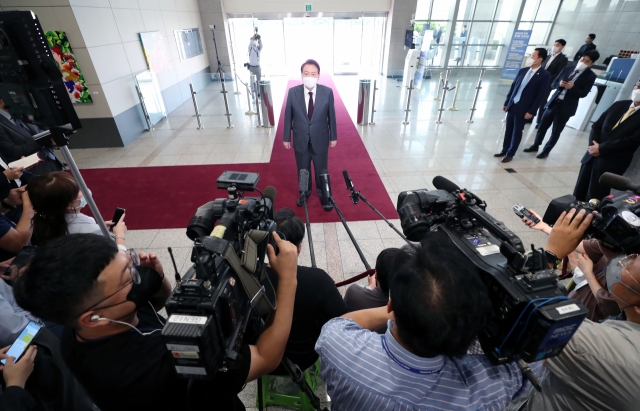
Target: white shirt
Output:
{"points": [[254, 53], [553, 56], [636, 108], [6, 115], [306, 96]]}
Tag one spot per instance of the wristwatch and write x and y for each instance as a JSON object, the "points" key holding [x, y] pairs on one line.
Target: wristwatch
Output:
{"points": [[551, 258], [5, 205]]}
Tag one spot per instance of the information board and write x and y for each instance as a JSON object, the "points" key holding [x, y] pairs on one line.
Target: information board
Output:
{"points": [[515, 54]]}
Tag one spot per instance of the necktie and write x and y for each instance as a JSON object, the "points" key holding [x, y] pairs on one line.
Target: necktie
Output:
{"points": [[524, 83], [626, 116], [24, 129], [573, 75], [310, 109]]}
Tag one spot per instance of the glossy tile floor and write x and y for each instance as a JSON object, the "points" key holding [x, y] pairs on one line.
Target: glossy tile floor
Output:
{"points": [[406, 157]]}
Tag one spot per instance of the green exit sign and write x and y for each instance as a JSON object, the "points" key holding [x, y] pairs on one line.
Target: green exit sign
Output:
{"points": [[307, 7]]}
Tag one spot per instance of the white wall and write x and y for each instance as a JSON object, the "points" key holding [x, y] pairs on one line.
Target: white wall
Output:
{"points": [[104, 37], [285, 6]]}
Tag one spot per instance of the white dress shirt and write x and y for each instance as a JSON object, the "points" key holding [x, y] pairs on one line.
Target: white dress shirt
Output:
{"points": [[306, 96], [553, 56]]}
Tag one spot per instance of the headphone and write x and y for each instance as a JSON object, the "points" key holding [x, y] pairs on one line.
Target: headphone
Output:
{"points": [[96, 317]]}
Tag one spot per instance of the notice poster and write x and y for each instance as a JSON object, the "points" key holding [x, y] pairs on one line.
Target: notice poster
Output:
{"points": [[515, 54]]}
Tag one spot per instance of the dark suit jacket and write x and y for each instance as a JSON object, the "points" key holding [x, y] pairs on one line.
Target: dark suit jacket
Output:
{"points": [[616, 146], [581, 88], [322, 126], [585, 47], [534, 91], [14, 143], [556, 65]]}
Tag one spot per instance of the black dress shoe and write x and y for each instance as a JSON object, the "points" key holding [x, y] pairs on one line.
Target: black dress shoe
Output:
{"points": [[532, 149], [500, 154], [506, 159], [543, 155]]}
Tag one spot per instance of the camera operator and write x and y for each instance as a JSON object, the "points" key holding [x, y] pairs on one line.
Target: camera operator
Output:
{"points": [[108, 298], [317, 298], [438, 305], [600, 366], [255, 48], [590, 266]]}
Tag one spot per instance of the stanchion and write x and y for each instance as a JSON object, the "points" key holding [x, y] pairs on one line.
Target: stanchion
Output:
{"points": [[437, 97], [226, 104], [250, 112], [444, 94], [235, 76], [254, 82], [195, 106], [475, 97], [406, 115], [455, 95], [144, 109], [373, 103]]}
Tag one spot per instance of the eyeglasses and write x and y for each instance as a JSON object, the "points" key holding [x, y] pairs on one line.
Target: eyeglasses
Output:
{"points": [[135, 262], [624, 261]]}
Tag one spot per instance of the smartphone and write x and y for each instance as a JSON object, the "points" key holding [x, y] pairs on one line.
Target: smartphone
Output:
{"points": [[523, 212], [22, 259], [23, 341], [116, 217]]}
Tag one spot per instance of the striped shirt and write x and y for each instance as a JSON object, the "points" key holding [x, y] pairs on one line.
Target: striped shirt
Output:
{"points": [[361, 375]]}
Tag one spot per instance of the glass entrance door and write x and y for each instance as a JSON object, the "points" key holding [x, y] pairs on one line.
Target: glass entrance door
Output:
{"points": [[347, 46]]}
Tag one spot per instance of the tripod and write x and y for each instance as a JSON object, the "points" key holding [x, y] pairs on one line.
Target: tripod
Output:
{"points": [[306, 215], [220, 71]]}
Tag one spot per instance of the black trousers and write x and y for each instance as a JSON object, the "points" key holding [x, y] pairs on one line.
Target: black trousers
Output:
{"points": [[514, 127], [551, 115], [588, 186], [320, 162]]}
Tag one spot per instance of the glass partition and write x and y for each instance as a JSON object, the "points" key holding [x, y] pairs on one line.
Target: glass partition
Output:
{"points": [[149, 87]]}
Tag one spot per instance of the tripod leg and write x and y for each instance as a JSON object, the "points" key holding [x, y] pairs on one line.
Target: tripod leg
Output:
{"points": [[260, 394]]}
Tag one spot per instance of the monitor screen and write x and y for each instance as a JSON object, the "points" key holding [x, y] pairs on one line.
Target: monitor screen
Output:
{"points": [[408, 39]]}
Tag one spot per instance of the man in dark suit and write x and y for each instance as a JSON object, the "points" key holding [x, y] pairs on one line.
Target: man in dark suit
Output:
{"points": [[572, 84], [588, 45], [311, 115], [554, 63], [615, 137], [16, 141], [523, 100]]}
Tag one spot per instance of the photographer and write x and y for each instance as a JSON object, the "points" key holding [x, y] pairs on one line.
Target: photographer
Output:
{"points": [[438, 305], [590, 263], [255, 47], [108, 298], [600, 366], [317, 298]]}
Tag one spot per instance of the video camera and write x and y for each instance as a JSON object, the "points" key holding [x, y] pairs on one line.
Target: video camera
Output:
{"points": [[224, 297], [532, 318]]}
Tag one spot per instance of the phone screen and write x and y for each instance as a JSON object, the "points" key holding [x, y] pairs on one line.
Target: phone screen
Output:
{"points": [[21, 343], [116, 217]]}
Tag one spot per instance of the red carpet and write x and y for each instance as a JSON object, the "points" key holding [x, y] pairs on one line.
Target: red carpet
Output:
{"points": [[167, 197]]}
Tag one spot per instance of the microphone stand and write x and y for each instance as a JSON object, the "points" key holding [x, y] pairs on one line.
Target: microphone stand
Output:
{"points": [[306, 216], [346, 227], [355, 195]]}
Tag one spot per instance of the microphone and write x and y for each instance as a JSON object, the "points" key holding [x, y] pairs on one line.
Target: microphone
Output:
{"points": [[618, 182], [270, 193], [303, 180], [354, 196], [442, 183], [325, 190]]}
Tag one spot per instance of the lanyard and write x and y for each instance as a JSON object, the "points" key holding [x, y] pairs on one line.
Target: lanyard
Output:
{"points": [[403, 365]]}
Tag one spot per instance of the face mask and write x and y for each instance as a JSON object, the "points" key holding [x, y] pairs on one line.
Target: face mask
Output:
{"points": [[83, 203], [635, 96], [580, 66], [309, 82], [613, 275], [555, 49], [529, 62]]}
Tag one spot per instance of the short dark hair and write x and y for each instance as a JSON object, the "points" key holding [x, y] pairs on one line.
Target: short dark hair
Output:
{"points": [[312, 62], [291, 226], [561, 41], [542, 52], [593, 36], [385, 266], [440, 303], [62, 276], [593, 55]]}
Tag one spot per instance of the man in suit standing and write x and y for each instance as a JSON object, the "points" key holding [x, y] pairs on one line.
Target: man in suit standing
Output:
{"points": [[16, 141], [588, 45], [572, 84], [523, 100], [554, 65], [311, 115], [615, 137]]}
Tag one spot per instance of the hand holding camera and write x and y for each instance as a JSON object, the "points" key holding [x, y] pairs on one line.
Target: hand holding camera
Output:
{"points": [[568, 231]]}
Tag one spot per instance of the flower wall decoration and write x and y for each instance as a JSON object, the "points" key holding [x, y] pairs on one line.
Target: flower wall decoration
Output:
{"points": [[68, 65]]}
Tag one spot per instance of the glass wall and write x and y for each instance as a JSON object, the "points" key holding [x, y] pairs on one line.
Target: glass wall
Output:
{"points": [[478, 32]]}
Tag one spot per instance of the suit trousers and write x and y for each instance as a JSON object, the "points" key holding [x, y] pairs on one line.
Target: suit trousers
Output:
{"points": [[588, 186], [551, 115], [514, 127], [320, 162], [542, 109]]}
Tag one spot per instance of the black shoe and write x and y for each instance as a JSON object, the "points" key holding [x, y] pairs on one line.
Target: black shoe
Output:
{"points": [[544, 154], [299, 202], [506, 159], [500, 154], [532, 149]]}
